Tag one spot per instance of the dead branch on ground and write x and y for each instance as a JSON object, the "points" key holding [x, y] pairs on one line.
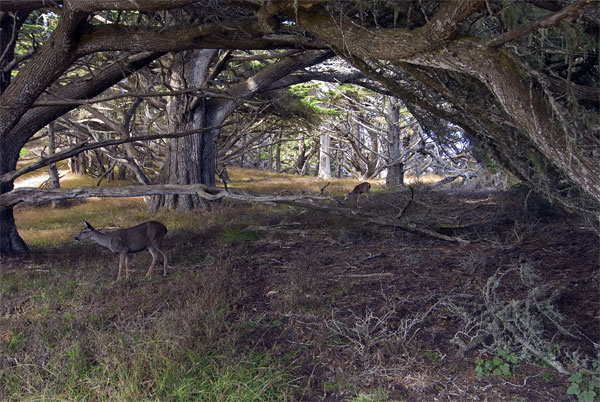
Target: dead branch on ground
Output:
{"points": [[307, 201]]}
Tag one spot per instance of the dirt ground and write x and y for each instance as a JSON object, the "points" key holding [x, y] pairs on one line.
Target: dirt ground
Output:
{"points": [[364, 306], [377, 306]]}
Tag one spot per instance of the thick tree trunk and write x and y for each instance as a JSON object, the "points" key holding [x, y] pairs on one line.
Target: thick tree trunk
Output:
{"points": [[191, 159], [11, 244]]}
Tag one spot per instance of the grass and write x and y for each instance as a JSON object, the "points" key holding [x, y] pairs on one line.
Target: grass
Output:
{"points": [[53, 227], [242, 315], [137, 369], [74, 334]]}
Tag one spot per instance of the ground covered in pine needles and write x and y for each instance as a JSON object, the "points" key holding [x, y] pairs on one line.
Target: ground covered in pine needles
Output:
{"points": [[275, 302]]}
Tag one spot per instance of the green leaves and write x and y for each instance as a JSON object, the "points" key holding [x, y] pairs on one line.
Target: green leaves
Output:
{"points": [[584, 385], [501, 365]]}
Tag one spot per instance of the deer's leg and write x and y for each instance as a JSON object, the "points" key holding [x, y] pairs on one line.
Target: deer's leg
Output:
{"points": [[126, 266], [122, 257], [153, 252], [164, 261]]}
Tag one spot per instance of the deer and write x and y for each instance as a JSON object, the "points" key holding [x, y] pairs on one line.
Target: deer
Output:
{"points": [[360, 189], [148, 235]]}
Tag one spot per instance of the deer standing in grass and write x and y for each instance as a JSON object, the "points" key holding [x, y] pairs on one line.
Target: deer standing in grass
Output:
{"points": [[360, 189], [148, 235]]}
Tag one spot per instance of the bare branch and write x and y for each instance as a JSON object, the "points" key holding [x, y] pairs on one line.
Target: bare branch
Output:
{"points": [[134, 94], [37, 195], [86, 146], [546, 22]]}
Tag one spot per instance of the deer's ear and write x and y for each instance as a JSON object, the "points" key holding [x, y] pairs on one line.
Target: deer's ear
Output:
{"points": [[87, 225]]}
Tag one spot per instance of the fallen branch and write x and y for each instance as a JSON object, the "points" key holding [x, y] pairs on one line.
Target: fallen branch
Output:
{"points": [[39, 195], [375, 219]]}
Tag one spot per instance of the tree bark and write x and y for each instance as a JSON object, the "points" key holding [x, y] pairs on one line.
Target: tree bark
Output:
{"points": [[52, 171], [192, 159], [324, 157], [189, 158], [395, 170]]}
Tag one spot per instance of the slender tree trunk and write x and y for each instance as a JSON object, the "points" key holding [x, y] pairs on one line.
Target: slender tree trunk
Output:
{"points": [[395, 171], [52, 170], [324, 157], [278, 154], [270, 155], [122, 172], [243, 154], [301, 159]]}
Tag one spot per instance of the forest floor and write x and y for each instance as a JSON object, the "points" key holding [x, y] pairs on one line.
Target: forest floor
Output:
{"points": [[274, 302]]}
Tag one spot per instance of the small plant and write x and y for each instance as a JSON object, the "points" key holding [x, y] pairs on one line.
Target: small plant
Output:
{"points": [[434, 356], [501, 365], [380, 395], [585, 385]]}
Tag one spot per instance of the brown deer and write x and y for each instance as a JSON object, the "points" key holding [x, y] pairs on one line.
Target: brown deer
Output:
{"points": [[148, 235], [360, 189]]}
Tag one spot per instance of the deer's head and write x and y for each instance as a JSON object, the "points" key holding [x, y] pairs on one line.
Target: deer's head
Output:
{"points": [[86, 233]]}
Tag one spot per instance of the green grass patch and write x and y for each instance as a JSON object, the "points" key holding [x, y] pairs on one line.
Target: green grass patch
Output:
{"points": [[138, 369], [233, 235]]}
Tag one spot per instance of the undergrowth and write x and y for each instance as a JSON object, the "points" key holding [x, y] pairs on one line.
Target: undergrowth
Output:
{"points": [[268, 302]]}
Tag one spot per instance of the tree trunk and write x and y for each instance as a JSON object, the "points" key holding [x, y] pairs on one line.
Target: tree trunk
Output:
{"points": [[78, 163], [278, 154], [270, 155], [324, 157], [122, 172], [301, 158], [191, 159], [11, 244], [395, 170], [52, 171]]}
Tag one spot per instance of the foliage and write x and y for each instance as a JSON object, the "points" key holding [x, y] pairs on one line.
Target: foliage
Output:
{"points": [[312, 98], [24, 152], [501, 365], [585, 385]]}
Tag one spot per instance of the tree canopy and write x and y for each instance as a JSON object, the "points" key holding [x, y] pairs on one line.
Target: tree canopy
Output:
{"points": [[519, 78]]}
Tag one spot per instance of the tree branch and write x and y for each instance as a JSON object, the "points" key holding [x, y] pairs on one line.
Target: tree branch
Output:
{"points": [[38, 195], [248, 35], [86, 146], [96, 5], [546, 22]]}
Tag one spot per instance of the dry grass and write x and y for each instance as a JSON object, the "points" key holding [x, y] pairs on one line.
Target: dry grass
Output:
{"points": [[275, 303]]}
